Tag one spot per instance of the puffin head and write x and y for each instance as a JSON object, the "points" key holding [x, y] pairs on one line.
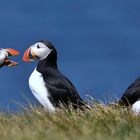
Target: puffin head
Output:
{"points": [[4, 54], [38, 51]]}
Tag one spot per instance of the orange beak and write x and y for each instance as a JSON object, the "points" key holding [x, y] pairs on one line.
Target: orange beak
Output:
{"points": [[10, 62], [26, 55], [11, 51]]}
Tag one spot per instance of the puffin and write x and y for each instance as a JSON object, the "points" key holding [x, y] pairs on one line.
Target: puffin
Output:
{"points": [[4, 54], [51, 88], [131, 97]]}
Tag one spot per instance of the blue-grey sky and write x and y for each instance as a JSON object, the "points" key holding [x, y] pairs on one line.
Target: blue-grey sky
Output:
{"points": [[98, 44]]}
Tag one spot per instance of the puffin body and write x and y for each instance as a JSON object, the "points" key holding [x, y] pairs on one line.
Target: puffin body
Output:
{"points": [[131, 97], [48, 85]]}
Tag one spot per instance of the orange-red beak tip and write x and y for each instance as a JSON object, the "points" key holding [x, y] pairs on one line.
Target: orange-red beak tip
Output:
{"points": [[26, 55], [12, 51]]}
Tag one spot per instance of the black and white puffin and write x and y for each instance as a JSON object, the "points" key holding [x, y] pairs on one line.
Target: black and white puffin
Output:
{"points": [[4, 54], [131, 97], [47, 84]]}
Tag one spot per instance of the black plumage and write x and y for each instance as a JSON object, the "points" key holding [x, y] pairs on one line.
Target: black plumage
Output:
{"points": [[132, 93]]}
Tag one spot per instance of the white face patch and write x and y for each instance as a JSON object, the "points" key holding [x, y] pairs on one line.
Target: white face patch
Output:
{"points": [[3, 55], [136, 107], [39, 90], [40, 50]]}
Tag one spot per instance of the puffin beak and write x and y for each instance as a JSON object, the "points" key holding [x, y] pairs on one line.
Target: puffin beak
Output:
{"points": [[8, 62], [10, 52], [28, 56]]}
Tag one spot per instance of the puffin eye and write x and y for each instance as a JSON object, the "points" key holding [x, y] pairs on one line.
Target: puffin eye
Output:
{"points": [[38, 46]]}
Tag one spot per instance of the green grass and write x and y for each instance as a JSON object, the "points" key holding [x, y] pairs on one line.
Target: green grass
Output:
{"points": [[100, 123]]}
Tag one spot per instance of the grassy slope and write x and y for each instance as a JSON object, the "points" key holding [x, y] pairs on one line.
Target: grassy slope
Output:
{"points": [[101, 123]]}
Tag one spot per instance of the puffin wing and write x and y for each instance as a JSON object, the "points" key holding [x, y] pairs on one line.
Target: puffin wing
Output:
{"points": [[132, 93], [61, 89]]}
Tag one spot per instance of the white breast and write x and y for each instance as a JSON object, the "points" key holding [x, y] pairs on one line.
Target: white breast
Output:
{"points": [[39, 90], [136, 107]]}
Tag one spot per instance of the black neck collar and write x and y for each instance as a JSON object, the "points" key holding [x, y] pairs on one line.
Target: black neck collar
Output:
{"points": [[49, 61]]}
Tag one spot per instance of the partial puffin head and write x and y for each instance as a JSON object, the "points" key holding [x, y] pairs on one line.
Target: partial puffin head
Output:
{"points": [[40, 50], [4, 60]]}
